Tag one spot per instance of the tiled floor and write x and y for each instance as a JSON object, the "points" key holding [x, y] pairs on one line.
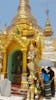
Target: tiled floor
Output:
{"points": [[13, 97], [18, 97]]}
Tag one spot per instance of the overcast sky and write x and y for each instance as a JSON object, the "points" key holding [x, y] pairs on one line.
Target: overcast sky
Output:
{"points": [[8, 9]]}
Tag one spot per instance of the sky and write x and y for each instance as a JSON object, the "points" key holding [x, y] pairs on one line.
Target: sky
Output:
{"points": [[8, 9]]}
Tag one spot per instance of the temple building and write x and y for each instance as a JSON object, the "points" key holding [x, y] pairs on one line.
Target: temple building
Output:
{"points": [[23, 35]]}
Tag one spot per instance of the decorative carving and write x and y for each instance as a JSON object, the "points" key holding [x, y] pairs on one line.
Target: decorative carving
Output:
{"points": [[31, 52]]}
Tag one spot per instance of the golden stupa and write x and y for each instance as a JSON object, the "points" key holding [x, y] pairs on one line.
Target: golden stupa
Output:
{"points": [[48, 29]]}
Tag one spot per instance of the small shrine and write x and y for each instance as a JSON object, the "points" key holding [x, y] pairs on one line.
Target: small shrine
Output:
{"points": [[19, 43]]}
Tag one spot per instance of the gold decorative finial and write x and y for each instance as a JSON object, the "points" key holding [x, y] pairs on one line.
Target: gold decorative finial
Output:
{"points": [[23, 9], [48, 29], [5, 29]]}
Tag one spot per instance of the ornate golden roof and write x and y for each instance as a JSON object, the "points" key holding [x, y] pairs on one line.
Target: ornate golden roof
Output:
{"points": [[24, 21], [24, 12], [48, 29]]}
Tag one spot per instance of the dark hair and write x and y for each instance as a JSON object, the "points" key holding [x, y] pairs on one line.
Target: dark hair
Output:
{"points": [[44, 71], [48, 68]]}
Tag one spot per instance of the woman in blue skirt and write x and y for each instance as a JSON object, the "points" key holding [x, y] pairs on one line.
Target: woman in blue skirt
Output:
{"points": [[46, 84]]}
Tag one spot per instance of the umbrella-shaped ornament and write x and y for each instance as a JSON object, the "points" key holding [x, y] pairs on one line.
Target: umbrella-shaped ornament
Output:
{"points": [[44, 62]]}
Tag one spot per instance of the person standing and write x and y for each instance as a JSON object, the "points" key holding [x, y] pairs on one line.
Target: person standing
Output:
{"points": [[51, 74], [46, 84]]}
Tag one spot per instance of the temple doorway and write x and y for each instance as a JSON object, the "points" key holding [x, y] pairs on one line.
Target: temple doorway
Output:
{"points": [[15, 67]]}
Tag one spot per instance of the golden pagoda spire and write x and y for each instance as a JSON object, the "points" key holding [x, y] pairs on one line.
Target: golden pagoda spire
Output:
{"points": [[24, 12], [48, 29], [24, 21], [24, 9]]}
